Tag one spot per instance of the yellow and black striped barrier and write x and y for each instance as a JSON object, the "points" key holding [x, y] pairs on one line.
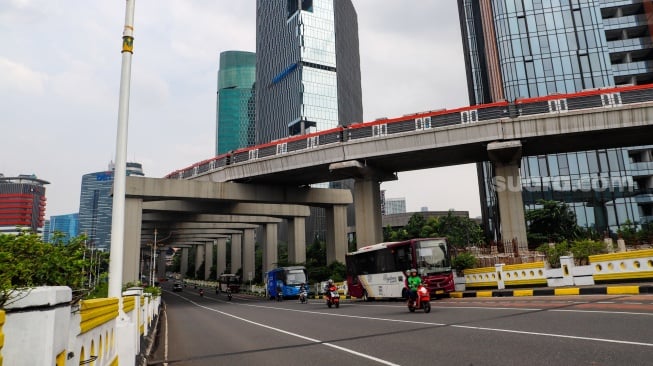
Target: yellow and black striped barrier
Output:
{"points": [[563, 291]]}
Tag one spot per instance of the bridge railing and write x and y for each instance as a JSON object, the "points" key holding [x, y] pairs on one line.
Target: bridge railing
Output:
{"points": [[64, 334]]}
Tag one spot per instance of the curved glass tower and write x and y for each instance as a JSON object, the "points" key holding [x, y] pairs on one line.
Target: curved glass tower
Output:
{"points": [[529, 48], [235, 115]]}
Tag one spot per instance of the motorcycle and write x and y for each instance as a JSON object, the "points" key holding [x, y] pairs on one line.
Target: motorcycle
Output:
{"points": [[422, 300], [279, 295], [229, 294], [201, 292], [303, 297], [332, 297]]}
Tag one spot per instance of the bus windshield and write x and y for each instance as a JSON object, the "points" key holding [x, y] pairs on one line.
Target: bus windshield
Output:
{"points": [[432, 257], [295, 277]]}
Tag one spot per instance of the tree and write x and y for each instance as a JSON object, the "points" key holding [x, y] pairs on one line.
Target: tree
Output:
{"points": [[553, 222], [26, 261]]}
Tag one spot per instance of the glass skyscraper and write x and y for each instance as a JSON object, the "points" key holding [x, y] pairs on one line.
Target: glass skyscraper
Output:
{"points": [[65, 224], [530, 48], [235, 115], [307, 75], [95, 205], [307, 67]]}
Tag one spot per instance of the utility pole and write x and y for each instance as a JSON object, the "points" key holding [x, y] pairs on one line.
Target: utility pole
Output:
{"points": [[120, 170]]}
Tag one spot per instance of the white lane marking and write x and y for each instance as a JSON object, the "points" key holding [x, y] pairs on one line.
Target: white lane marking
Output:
{"points": [[372, 358], [165, 342], [554, 335], [602, 312], [482, 328]]}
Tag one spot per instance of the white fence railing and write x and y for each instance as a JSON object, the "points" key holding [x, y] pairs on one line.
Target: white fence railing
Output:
{"points": [[41, 327], [632, 265]]}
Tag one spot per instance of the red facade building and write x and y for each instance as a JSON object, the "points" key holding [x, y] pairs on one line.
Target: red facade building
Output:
{"points": [[22, 203]]}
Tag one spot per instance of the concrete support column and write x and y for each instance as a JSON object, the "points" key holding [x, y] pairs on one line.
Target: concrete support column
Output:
{"points": [[161, 263], [221, 244], [506, 158], [367, 207], [249, 272], [297, 240], [270, 247], [199, 257], [183, 264], [208, 259], [132, 239], [336, 233], [236, 256]]}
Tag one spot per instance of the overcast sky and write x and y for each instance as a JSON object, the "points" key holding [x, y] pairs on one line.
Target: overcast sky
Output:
{"points": [[60, 73]]}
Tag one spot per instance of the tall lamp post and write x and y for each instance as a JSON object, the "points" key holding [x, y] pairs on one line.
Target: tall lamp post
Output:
{"points": [[120, 170], [153, 266]]}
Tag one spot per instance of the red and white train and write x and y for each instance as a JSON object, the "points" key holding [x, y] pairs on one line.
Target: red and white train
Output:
{"points": [[556, 103]]}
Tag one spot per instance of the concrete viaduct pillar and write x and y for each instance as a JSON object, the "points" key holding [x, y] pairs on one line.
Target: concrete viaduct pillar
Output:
{"points": [[506, 157], [208, 259], [221, 245], [161, 262], [236, 253], [183, 264], [297, 240], [199, 257], [270, 247], [248, 254], [336, 233], [367, 206], [132, 239]]}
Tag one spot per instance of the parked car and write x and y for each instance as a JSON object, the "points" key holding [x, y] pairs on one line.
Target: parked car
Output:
{"points": [[177, 287]]}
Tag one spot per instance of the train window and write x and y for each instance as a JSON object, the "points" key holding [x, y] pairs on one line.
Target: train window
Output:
{"points": [[313, 141], [253, 154], [469, 116], [282, 148], [418, 124], [611, 100], [558, 105], [427, 122], [379, 130]]}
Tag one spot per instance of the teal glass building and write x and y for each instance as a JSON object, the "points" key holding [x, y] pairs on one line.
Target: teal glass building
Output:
{"points": [[68, 225], [531, 48], [235, 116]]}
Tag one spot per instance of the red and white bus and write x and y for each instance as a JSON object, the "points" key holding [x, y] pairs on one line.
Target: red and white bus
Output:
{"points": [[379, 271]]}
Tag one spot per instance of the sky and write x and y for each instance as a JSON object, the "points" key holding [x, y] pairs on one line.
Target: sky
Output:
{"points": [[60, 75]]}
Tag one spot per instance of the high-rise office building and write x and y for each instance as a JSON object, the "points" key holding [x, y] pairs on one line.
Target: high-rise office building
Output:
{"points": [[235, 115], [395, 206], [529, 48], [22, 204], [68, 225], [307, 75], [307, 67], [95, 205]]}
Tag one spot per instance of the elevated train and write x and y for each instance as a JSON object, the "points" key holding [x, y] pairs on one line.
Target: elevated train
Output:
{"points": [[556, 103]]}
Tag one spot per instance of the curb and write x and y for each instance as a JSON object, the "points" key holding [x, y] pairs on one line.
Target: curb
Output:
{"points": [[564, 291]]}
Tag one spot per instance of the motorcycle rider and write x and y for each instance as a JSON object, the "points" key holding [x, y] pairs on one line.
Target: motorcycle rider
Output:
{"points": [[302, 292], [413, 281], [330, 286]]}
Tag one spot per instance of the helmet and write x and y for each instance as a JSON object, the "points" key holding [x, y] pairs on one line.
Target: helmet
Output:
{"points": [[330, 281], [413, 270]]}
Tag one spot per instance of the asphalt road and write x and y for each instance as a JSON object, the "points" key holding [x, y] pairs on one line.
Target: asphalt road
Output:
{"points": [[574, 330]]}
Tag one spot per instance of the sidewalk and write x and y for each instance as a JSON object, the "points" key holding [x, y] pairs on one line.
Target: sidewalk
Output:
{"points": [[606, 289]]}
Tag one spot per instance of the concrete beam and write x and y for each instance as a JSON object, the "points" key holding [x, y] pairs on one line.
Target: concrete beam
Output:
{"points": [[188, 217], [253, 209], [162, 189], [204, 225]]}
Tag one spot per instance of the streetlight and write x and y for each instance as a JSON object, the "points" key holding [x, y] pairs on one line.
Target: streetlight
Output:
{"points": [[153, 266]]}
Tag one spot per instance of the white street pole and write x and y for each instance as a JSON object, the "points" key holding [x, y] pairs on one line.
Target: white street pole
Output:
{"points": [[120, 170], [154, 258]]}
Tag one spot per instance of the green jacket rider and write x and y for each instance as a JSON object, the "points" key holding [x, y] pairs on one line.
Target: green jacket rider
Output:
{"points": [[414, 280]]}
